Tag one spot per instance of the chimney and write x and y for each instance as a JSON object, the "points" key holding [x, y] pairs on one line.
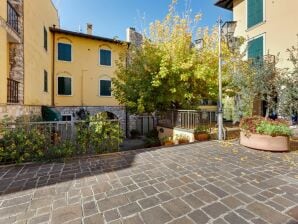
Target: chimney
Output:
{"points": [[89, 28], [133, 36]]}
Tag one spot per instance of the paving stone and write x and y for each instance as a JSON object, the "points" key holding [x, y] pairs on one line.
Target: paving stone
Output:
{"points": [[215, 210], [16, 201], [232, 202], [267, 213], [149, 190], [259, 221], [129, 209], [293, 213], [174, 183], [165, 196], [40, 219], [176, 207], [183, 220], [94, 219], [90, 208], [135, 195], [220, 221], [66, 214], [13, 210], [233, 218], [40, 203], [155, 215], [199, 216], [133, 220], [205, 196], [249, 189], [112, 202], [193, 201], [149, 202], [245, 214], [102, 187], [111, 215]]}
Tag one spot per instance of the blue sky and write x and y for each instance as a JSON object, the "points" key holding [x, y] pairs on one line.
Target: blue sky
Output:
{"points": [[110, 18]]}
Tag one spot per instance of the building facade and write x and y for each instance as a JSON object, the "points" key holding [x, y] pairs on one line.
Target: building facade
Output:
{"points": [[44, 65], [269, 28]]}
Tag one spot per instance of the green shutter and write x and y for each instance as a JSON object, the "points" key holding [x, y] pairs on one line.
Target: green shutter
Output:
{"points": [[105, 88], [254, 12], [105, 57], [64, 86], [64, 52], [256, 49], [45, 81]]}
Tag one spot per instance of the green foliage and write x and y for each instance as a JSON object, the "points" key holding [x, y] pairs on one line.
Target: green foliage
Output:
{"points": [[134, 133], [152, 139], [202, 129], [265, 126], [273, 129], [167, 71], [23, 142]]}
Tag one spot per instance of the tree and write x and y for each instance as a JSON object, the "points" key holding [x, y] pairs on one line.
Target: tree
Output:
{"points": [[167, 71]]}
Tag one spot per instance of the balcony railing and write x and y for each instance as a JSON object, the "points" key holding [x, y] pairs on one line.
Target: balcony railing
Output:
{"points": [[12, 91], [12, 17]]}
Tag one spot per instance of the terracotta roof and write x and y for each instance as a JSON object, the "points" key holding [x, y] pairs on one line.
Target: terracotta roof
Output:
{"points": [[226, 4], [88, 36]]}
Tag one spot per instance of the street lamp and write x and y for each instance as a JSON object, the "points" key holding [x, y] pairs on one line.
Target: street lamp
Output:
{"points": [[227, 31]]}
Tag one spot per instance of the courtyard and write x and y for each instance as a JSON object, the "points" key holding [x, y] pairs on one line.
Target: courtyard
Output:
{"points": [[207, 182]]}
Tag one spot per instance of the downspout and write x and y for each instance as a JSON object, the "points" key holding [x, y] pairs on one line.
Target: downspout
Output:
{"points": [[53, 67]]}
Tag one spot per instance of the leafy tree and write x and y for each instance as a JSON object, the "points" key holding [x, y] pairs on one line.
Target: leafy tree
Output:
{"points": [[167, 71]]}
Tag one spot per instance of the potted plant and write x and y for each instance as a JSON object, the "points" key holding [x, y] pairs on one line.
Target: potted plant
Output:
{"points": [[201, 133], [167, 141], [265, 134], [182, 139]]}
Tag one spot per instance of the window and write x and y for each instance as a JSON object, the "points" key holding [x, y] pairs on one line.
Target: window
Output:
{"points": [[64, 86], [64, 52], [45, 38], [254, 12], [66, 117], [105, 57], [105, 88], [45, 81], [256, 48]]}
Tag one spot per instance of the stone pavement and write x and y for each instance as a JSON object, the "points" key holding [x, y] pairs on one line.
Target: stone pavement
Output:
{"points": [[198, 183]]}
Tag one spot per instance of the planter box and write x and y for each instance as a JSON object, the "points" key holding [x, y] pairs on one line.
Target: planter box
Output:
{"points": [[265, 142]]}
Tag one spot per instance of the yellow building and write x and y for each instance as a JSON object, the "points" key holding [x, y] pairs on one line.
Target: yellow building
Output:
{"points": [[269, 27], [43, 65], [25, 55], [83, 70]]}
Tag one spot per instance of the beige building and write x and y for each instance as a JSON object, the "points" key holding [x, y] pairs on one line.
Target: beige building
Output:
{"points": [[270, 27]]}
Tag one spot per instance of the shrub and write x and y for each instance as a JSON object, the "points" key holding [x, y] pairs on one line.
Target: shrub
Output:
{"points": [[134, 133], [182, 139], [152, 139], [260, 125], [202, 129]]}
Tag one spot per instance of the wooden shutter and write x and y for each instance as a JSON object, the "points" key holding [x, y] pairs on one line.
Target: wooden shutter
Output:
{"points": [[105, 57], [254, 12], [105, 88], [64, 52]]}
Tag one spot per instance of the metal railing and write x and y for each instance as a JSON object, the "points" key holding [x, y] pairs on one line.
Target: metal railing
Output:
{"points": [[12, 17], [186, 119], [12, 91]]}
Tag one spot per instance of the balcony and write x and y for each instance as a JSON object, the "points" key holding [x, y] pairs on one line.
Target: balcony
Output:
{"points": [[12, 24], [12, 17], [12, 91]]}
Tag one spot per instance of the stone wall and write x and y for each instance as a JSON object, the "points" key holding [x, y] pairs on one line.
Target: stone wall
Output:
{"points": [[16, 53], [15, 111]]}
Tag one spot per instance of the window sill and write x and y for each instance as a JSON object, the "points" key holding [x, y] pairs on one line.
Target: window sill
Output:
{"points": [[68, 62], [64, 95], [106, 66], [105, 96], [255, 26]]}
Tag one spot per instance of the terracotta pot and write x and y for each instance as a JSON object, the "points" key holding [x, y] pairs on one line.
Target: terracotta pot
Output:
{"points": [[183, 141], [265, 142], [203, 136], [168, 143]]}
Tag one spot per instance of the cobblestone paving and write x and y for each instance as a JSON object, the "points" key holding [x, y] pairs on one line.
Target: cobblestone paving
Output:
{"points": [[199, 183]]}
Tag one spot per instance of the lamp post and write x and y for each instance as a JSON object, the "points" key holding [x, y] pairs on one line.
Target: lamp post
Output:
{"points": [[227, 31]]}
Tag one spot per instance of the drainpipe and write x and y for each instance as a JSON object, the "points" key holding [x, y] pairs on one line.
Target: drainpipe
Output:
{"points": [[53, 67]]}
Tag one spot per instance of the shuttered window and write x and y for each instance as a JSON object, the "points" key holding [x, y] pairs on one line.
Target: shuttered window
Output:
{"points": [[105, 57], [105, 88], [45, 38], [45, 81], [64, 86], [256, 49], [64, 52], [254, 12]]}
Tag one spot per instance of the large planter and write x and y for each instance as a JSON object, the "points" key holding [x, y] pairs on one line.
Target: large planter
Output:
{"points": [[202, 136], [265, 142]]}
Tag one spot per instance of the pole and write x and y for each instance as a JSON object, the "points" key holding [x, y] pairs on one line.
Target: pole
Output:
{"points": [[220, 111]]}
